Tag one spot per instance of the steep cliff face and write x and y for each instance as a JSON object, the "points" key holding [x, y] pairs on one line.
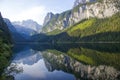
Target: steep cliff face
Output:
{"points": [[3, 26], [48, 17], [9, 24], [82, 9], [58, 21]]}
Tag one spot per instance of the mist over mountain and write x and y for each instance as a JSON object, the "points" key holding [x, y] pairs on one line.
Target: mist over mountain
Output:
{"points": [[30, 24], [27, 28]]}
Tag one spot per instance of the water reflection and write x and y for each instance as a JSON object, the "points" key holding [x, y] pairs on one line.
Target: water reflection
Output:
{"points": [[81, 71], [68, 61]]}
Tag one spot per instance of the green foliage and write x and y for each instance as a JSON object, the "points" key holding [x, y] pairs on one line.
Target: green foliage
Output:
{"points": [[54, 32], [80, 57], [92, 30], [64, 15], [5, 51], [89, 30], [94, 57], [81, 26], [57, 17], [99, 1], [94, 26], [54, 51], [5, 54], [90, 54], [51, 23]]}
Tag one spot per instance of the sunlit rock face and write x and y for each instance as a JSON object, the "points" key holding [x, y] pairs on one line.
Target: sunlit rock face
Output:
{"points": [[67, 64], [48, 18], [82, 9]]}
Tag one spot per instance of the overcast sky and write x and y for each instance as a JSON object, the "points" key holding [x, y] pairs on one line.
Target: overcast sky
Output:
{"points": [[18, 10]]}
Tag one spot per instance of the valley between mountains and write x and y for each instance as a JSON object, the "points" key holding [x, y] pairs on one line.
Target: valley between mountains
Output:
{"points": [[88, 21]]}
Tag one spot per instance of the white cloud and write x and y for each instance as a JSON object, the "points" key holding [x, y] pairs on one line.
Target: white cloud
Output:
{"points": [[35, 13], [18, 10]]}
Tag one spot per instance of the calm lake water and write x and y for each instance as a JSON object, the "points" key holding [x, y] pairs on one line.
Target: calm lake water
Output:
{"points": [[65, 62]]}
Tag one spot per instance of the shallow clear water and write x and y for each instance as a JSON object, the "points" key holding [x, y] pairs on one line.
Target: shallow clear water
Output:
{"points": [[65, 62]]}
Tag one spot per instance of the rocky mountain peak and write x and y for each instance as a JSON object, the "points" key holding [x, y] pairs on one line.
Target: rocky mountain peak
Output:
{"points": [[77, 2], [48, 18], [83, 9]]}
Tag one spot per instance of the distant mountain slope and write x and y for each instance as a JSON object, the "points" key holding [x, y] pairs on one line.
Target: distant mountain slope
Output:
{"points": [[30, 24], [82, 9], [15, 35], [25, 32], [27, 28]]}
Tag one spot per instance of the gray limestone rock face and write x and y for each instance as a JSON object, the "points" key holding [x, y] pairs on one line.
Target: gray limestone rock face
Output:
{"points": [[48, 17], [82, 9]]}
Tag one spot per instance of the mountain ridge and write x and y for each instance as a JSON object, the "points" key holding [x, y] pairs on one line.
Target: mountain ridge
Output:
{"points": [[16, 36], [31, 24], [96, 8]]}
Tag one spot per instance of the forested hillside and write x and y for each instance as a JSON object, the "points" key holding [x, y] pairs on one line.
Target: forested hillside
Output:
{"points": [[82, 9], [87, 21], [5, 46], [88, 30]]}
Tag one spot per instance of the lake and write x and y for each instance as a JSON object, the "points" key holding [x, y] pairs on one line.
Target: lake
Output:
{"points": [[65, 62]]}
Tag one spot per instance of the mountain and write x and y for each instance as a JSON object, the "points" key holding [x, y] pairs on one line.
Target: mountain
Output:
{"points": [[25, 32], [5, 45], [28, 59], [27, 28], [30, 24], [48, 18], [3, 26], [93, 30], [15, 35], [77, 2], [78, 61], [9, 24], [91, 21], [82, 9]]}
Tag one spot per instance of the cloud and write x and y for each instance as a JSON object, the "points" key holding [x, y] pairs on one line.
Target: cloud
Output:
{"points": [[35, 13], [18, 10]]}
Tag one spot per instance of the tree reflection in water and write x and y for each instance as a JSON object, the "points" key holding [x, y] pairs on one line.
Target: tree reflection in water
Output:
{"points": [[13, 69]]}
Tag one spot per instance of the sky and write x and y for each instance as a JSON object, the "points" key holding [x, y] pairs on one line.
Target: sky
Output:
{"points": [[18, 10]]}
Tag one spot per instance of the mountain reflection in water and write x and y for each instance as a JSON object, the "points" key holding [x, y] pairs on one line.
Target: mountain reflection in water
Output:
{"points": [[67, 61]]}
